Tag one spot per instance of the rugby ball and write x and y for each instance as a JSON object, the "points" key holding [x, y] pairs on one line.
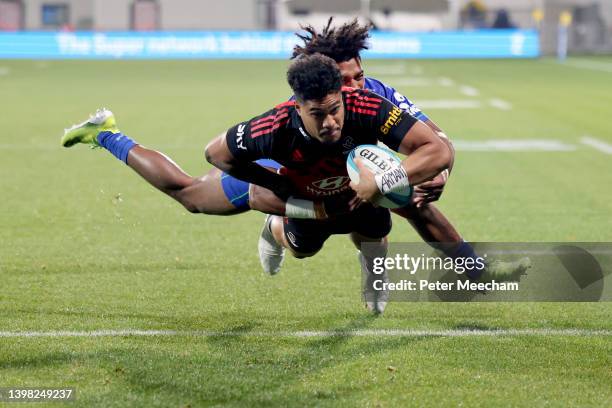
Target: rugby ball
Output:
{"points": [[378, 160]]}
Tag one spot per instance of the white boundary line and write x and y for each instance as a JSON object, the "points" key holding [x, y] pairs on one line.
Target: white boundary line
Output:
{"points": [[314, 333], [444, 81], [500, 104], [468, 90], [596, 144]]}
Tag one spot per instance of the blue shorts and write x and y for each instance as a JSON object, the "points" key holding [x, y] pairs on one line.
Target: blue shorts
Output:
{"points": [[237, 191]]}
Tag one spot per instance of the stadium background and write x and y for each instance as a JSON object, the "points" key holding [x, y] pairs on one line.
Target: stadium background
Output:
{"points": [[113, 289]]}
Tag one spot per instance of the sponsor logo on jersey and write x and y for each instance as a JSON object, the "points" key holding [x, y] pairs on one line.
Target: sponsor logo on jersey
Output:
{"points": [[393, 119], [239, 137], [411, 109], [331, 183], [375, 159], [303, 132]]}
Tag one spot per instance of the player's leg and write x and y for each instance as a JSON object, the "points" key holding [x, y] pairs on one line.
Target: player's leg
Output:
{"points": [[433, 226], [370, 238], [303, 238], [199, 195], [430, 223], [219, 193], [215, 193]]}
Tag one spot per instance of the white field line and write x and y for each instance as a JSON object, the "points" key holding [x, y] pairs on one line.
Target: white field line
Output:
{"points": [[449, 104], [500, 104], [446, 81], [4, 71], [314, 333], [592, 65], [468, 90], [596, 144], [511, 145]]}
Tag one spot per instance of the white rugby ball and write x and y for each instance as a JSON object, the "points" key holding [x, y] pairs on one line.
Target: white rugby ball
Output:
{"points": [[378, 160]]}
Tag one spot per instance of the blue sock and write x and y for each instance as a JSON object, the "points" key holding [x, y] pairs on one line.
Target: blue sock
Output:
{"points": [[465, 250], [116, 143]]}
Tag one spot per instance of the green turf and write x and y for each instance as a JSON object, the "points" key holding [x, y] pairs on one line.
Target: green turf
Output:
{"points": [[86, 245]]}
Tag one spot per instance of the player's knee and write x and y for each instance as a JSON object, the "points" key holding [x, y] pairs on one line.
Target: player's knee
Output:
{"points": [[445, 157], [303, 249], [302, 255], [185, 202], [191, 208]]}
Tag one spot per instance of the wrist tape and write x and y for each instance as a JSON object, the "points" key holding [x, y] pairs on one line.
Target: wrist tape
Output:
{"points": [[392, 181], [297, 208]]}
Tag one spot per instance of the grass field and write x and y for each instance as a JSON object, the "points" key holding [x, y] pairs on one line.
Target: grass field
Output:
{"points": [[87, 247]]}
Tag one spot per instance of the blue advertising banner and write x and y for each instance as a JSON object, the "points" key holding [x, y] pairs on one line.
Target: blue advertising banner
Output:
{"points": [[272, 45]]}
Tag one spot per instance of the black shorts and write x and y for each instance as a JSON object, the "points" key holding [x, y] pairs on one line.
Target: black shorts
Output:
{"points": [[307, 236]]}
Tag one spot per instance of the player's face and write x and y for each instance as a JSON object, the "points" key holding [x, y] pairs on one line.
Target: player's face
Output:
{"points": [[352, 73], [323, 118]]}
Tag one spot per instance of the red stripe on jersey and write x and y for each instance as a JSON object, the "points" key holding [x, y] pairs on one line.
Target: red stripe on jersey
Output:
{"points": [[271, 129], [269, 120], [362, 97], [275, 119], [357, 102], [285, 104], [360, 110], [269, 117]]}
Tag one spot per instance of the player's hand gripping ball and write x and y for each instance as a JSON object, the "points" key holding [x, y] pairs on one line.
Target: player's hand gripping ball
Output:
{"points": [[378, 160]]}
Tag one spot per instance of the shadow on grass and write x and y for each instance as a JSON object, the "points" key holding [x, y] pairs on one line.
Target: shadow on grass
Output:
{"points": [[234, 368], [264, 371], [35, 361]]}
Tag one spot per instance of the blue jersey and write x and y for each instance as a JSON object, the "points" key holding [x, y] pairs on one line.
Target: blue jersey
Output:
{"points": [[237, 191], [394, 96]]}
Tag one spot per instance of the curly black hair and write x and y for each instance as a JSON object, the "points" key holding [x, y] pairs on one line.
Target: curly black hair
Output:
{"points": [[312, 77], [341, 44]]}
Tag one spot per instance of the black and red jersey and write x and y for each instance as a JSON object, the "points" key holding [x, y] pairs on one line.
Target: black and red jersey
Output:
{"points": [[319, 170]]}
